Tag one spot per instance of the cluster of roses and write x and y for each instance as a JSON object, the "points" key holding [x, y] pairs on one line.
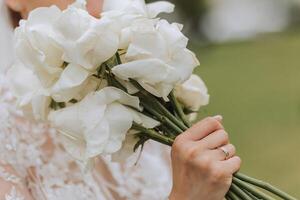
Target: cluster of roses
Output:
{"points": [[82, 73]]}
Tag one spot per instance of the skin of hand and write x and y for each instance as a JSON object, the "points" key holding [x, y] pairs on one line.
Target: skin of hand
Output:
{"points": [[201, 170], [25, 6]]}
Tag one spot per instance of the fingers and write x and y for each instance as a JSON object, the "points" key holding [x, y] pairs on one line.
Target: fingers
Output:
{"points": [[232, 165], [215, 139], [203, 128], [220, 153]]}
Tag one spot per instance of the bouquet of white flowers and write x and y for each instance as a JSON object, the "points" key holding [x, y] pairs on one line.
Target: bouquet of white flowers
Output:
{"points": [[108, 85]]}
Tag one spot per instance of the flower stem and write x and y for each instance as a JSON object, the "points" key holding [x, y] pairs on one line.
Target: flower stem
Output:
{"points": [[159, 106], [161, 118], [251, 195], [232, 195], [152, 134], [179, 109], [240, 192], [252, 190], [265, 186]]}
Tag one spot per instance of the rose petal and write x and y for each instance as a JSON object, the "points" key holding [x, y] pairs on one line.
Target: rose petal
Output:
{"points": [[158, 7]]}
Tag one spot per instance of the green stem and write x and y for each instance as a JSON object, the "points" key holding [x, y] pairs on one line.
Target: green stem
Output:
{"points": [[152, 134], [265, 186], [252, 190], [240, 192], [232, 195], [251, 195], [161, 118], [179, 109], [118, 58]]}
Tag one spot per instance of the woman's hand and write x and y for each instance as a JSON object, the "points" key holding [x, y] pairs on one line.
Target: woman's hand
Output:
{"points": [[201, 168]]}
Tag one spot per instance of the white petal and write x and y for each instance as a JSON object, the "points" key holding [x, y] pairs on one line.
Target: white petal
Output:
{"points": [[112, 94], [146, 42], [69, 82], [92, 109], [149, 70], [127, 149], [41, 107], [154, 75], [23, 81], [43, 15], [27, 89], [144, 120], [172, 35], [120, 121], [192, 93], [94, 42], [158, 7], [76, 147], [97, 138], [68, 121], [184, 61]]}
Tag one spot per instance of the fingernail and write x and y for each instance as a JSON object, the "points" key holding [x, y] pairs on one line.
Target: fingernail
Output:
{"points": [[218, 117]]}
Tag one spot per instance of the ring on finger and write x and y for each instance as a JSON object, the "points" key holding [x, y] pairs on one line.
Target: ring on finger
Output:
{"points": [[226, 153]]}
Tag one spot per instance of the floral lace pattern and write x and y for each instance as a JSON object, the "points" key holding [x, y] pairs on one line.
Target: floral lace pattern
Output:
{"points": [[13, 195], [54, 175], [8, 177]]}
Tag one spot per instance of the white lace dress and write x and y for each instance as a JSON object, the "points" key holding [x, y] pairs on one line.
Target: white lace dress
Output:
{"points": [[32, 159]]}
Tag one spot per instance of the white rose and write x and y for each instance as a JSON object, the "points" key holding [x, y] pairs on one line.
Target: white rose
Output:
{"points": [[96, 125], [39, 49], [138, 7], [36, 46], [86, 41], [157, 57], [128, 12], [31, 97], [192, 93]]}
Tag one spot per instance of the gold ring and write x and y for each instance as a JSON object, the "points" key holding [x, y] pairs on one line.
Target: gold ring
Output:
{"points": [[225, 152]]}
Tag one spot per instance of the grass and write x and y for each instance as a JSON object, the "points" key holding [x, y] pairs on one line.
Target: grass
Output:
{"points": [[256, 87]]}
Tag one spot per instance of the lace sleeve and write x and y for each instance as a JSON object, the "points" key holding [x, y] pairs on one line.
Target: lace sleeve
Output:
{"points": [[38, 164], [12, 186]]}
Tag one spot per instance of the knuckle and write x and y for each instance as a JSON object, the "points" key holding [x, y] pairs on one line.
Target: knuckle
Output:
{"points": [[213, 122], [178, 144], [225, 136], [192, 154], [239, 161], [233, 148]]}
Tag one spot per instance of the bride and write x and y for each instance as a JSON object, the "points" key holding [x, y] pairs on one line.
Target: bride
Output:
{"points": [[34, 165]]}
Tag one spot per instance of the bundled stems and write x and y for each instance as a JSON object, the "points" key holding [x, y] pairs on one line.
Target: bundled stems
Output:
{"points": [[239, 192], [152, 134], [242, 185], [264, 185], [179, 110]]}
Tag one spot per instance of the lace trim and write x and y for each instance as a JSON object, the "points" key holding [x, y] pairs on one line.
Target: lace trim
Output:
{"points": [[14, 195], [9, 177]]}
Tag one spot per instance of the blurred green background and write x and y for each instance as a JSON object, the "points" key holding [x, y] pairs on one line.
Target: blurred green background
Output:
{"points": [[255, 85], [250, 60]]}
